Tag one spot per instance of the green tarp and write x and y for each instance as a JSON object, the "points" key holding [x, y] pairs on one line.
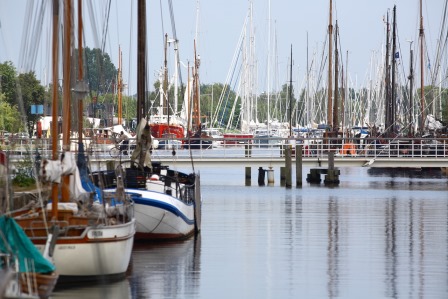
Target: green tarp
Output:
{"points": [[21, 246]]}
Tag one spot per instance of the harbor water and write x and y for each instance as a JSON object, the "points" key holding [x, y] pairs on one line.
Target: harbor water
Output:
{"points": [[378, 234]]}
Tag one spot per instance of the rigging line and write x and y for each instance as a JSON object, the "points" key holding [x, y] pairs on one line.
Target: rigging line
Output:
{"points": [[25, 33], [161, 21], [91, 11], [105, 26], [130, 44]]}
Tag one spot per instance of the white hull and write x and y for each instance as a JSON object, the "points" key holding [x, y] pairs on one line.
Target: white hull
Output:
{"points": [[161, 216], [101, 251]]}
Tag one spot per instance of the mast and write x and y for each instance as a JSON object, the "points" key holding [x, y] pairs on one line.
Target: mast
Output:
{"points": [[54, 110], [269, 59], [66, 91], [387, 103], [120, 87], [411, 87], [330, 63], [141, 60], [336, 77], [393, 89], [422, 86], [290, 95], [165, 81], [196, 117]]}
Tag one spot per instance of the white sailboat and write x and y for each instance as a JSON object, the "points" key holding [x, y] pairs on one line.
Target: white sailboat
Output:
{"points": [[167, 202]]}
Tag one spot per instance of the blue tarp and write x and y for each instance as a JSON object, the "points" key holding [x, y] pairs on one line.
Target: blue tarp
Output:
{"points": [[21, 246]]}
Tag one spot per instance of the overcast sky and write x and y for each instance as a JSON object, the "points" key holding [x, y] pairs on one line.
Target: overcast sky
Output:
{"points": [[218, 29]]}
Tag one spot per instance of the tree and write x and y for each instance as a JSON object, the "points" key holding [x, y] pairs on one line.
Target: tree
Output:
{"points": [[7, 81], [100, 72], [9, 117], [29, 92]]}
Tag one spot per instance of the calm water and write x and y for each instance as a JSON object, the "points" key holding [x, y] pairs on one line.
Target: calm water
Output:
{"points": [[376, 235]]}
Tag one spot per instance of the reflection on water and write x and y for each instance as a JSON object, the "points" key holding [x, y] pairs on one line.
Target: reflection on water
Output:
{"points": [[380, 236], [116, 290], [164, 270]]}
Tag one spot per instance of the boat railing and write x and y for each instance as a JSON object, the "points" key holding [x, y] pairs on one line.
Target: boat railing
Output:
{"points": [[257, 147]]}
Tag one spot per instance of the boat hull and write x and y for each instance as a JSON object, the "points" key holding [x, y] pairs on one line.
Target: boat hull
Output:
{"points": [[160, 216], [100, 251]]}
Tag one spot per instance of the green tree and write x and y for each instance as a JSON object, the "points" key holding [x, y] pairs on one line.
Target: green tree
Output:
{"points": [[9, 117], [29, 92], [8, 82], [100, 72]]}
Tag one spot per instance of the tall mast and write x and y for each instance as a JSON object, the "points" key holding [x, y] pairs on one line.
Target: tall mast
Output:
{"points": [[330, 63], [164, 95], [393, 89], [387, 103], [269, 59], [290, 95], [196, 118], [141, 60], [422, 86], [66, 90], [411, 87], [120, 87], [54, 111], [336, 77]]}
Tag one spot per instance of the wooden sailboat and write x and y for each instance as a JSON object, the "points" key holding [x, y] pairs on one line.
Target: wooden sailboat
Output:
{"points": [[91, 236], [167, 202]]}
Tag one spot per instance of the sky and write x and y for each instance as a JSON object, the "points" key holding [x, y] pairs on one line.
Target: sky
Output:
{"points": [[216, 27]]}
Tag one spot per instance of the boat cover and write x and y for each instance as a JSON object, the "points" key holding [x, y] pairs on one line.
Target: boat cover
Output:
{"points": [[13, 240]]}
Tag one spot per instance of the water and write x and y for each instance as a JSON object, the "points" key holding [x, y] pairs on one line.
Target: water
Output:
{"points": [[376, 235]]}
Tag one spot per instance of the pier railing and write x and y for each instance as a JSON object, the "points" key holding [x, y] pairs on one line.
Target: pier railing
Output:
{"points": [[222, 148]]}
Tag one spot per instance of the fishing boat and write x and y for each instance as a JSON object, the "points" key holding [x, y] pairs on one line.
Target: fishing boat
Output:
{"points": [[89, 235], [167, 201]]}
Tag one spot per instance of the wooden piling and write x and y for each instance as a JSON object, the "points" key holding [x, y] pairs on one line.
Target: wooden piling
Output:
{"points": [[288, 173], [248, 176], [270, 173], [282, 176], [299, 165]]}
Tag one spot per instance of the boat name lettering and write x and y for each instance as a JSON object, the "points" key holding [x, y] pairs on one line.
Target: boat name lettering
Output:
{"points": [[67, 247], [97, 233]]}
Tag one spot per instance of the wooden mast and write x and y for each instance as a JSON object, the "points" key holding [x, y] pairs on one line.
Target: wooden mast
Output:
{"points": [[422, 86], [330, 64], [141, 60], [54, 110], [80, 71], [66, 91]]}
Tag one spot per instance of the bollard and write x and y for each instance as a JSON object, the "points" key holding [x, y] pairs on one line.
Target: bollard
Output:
{"points": [[299, 165], [282, 176], [248, 176], [270, 172], [261, 176], [288, 173]]}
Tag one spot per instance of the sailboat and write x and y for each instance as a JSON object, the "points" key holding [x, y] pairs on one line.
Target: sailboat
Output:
{"points": [[167, 202], [26, 273], [166, 125], [89, 235]]}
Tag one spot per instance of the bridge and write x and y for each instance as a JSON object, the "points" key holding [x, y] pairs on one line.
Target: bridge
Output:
{"points": [[253, 152]]}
